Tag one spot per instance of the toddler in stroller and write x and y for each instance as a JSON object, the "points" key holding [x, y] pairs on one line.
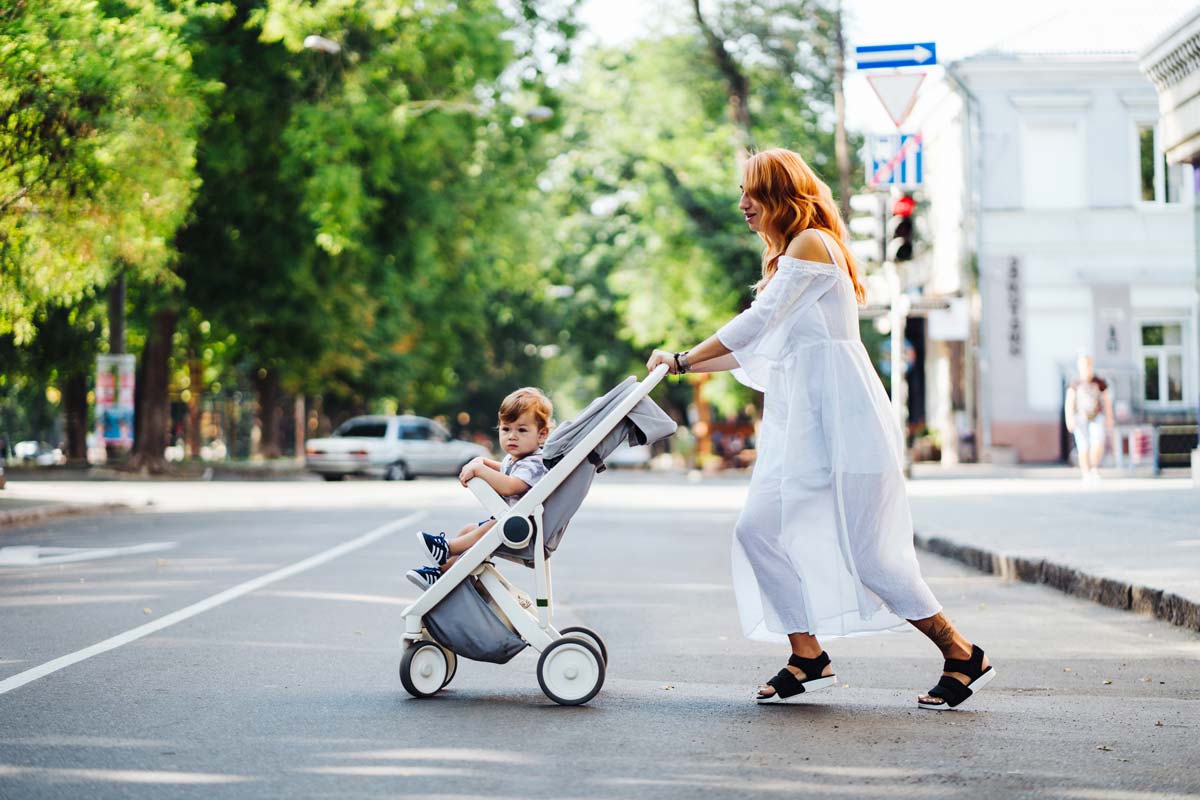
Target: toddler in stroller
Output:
{"points": [[524, 425], [474, 612]]}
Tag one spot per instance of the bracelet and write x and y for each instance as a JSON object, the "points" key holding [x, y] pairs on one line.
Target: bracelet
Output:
{"points": [[681, 362]]}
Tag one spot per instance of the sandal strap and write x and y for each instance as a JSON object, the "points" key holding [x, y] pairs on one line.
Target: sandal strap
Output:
{"points": [[786, 684], [971, 667], [811, 667], [950, 690]]}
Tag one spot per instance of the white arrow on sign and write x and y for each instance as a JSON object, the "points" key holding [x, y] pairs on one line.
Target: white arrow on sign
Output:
{"points": [[916, 53], [897, 92], [36, 556]]}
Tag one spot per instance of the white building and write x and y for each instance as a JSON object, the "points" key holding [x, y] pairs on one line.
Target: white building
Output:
{"points": [[1051, 206]]}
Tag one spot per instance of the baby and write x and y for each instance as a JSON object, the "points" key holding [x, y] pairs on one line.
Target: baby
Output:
{"points": [[524, 425]]}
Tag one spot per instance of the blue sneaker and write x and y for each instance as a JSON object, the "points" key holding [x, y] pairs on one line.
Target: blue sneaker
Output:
{"points": [[436, 546], [424, 577]]}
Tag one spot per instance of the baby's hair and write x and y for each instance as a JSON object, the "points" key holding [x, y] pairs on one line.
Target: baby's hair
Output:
{"points": [[529, 398]]}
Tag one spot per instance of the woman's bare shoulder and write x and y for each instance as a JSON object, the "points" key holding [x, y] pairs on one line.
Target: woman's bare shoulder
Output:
{"points": [[807, 246]]}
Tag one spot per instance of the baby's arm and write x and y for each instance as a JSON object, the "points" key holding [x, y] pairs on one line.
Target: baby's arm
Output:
{"points": [[505, 485]]}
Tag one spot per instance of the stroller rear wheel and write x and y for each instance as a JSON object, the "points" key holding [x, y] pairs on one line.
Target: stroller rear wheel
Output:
{"points": [[425, 669], [452, 662], [570, 671], [589, 636]]}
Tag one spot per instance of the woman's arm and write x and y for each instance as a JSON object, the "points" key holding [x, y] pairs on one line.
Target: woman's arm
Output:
{"points": [[1109, 420], [710, 349], [1069, 409]]}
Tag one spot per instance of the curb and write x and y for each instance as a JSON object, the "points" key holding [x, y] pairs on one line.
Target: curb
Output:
{"points": [[27, 516], [1166, 606]]}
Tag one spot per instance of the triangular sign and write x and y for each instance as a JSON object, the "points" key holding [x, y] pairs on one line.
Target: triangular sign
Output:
{"points": [[897, 91]]}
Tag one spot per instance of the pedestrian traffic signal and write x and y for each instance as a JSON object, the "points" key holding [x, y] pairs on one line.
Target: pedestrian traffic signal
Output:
{"points": [[900, 229]]}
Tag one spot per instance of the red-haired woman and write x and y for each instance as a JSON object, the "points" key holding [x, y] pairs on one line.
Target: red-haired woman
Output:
{"points": [[824, 545]]}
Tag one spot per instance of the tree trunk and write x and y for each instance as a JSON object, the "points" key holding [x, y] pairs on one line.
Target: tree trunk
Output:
{"points": [[736, 85], [266, 385], [153, 415], [75, 405], [840, 144]]}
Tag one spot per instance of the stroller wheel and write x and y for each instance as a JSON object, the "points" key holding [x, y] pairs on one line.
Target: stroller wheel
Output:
{"points": [[590, 636], [424, 669], [570, 671], [452, 669]]}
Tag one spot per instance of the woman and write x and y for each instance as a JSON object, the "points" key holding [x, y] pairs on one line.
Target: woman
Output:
{"points": [[824, 546]]}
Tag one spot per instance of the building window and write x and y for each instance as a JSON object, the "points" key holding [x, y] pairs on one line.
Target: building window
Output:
{"points": [[1158, 181], [1053, 171], [1162, 362]]}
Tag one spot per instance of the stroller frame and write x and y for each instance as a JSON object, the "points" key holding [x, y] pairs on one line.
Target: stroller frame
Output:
{"points": [[572, 663]]}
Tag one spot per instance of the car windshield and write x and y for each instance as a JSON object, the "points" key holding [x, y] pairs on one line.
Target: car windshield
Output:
{"points": [[365, 430]]}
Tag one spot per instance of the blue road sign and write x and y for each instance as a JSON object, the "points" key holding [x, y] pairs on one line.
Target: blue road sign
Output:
{"points": [[879, 56], [895, 159]]}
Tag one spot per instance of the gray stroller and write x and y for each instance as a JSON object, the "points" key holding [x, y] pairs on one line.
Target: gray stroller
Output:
{"points": [[473, 612]]}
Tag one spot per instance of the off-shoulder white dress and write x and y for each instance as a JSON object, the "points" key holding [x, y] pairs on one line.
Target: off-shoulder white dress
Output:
{"points": [[825, 542]]}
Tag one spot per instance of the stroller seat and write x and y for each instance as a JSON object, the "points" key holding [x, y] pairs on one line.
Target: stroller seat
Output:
{"points": [[473, 611]]}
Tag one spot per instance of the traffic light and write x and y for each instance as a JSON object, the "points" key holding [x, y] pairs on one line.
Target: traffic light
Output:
{"points": [[900, 229]]}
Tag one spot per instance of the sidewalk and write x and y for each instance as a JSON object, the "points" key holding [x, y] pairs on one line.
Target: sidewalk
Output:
{"points": [[16, 509], [1131, 543]]}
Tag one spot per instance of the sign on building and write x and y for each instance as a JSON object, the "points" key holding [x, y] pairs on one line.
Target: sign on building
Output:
{"points": [[894, 159]]}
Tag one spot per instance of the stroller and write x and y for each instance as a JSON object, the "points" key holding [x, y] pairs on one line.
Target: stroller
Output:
{"points": [[474, 612]]}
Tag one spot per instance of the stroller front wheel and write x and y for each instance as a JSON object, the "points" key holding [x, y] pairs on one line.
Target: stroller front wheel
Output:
{"points": [[424, 669], [570, 671]]}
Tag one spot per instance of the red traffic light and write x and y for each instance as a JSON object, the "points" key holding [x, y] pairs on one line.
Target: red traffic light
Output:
{"points": [[903, 207]]}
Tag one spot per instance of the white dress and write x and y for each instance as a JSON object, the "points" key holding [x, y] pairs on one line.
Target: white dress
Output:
{"points": [[825, 542]]}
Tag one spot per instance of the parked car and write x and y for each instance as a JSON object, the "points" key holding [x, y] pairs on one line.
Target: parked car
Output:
{"points": [[39, 453], [393, 448]]}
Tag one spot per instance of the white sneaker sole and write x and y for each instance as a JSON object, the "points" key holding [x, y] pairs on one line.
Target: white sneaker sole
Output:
{"points": [[976, 686], [417, 581], [815, 685]]}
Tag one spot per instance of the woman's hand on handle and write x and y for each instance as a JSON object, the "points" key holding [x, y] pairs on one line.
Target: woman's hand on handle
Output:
{"points": [[661, 357]]}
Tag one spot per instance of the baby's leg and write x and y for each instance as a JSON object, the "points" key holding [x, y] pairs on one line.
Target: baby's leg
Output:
{"points": [[468, 536]]}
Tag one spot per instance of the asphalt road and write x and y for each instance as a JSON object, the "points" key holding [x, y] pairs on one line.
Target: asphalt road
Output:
{"points": [[289, 687]]}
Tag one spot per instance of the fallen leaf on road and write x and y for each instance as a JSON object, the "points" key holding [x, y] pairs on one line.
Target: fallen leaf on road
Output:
{"points": [[360, 633], [1105, 748], [160, 562], [1067, 669], [668, 687], [1158, 724], [1108, 683], [1147, 680], [147, 611]]}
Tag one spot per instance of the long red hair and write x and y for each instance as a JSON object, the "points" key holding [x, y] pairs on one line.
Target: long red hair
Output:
{"points": [[793, 199]]}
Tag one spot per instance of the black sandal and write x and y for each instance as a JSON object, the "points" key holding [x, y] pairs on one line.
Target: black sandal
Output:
{"points": [[951, 690], [787, 685]]}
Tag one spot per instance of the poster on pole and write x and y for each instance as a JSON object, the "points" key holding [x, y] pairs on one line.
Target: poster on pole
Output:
{"points": [[114, 400]]}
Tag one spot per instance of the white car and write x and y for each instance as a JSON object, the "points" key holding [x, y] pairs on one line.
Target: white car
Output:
{"points": [[393, 448]]}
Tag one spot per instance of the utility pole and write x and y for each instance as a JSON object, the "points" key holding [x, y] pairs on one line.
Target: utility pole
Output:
{"points": [[840, 145]]}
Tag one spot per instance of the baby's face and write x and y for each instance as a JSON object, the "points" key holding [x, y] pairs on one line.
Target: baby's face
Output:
{"points": [[522, 437]]}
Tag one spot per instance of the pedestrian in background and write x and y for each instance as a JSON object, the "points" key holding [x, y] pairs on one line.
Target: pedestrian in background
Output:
{"points": [[1087, 398], [824, 545]]}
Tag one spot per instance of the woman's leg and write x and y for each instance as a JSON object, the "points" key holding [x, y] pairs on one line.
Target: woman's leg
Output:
{"points": [[804, 645], [953, 644]]}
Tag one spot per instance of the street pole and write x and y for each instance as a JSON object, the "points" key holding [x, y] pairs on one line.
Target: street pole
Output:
{"points": [[898, 317]]}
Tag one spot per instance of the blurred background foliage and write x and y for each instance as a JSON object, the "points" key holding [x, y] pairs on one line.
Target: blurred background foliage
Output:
{"points": [[430, 205]]}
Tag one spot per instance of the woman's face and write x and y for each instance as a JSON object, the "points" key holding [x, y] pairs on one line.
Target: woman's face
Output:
{"points": [[752, 209]]}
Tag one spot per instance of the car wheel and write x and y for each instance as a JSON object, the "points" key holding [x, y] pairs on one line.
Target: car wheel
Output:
{"points": [[397, 472], [332, 476]]}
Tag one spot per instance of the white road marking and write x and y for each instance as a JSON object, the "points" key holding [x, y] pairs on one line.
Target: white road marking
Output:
{"points": [[207, 604], [36, 556]]}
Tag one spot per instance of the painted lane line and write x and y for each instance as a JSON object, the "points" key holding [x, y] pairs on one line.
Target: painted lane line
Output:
{"points": [[207, 604], [37, 556]]}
